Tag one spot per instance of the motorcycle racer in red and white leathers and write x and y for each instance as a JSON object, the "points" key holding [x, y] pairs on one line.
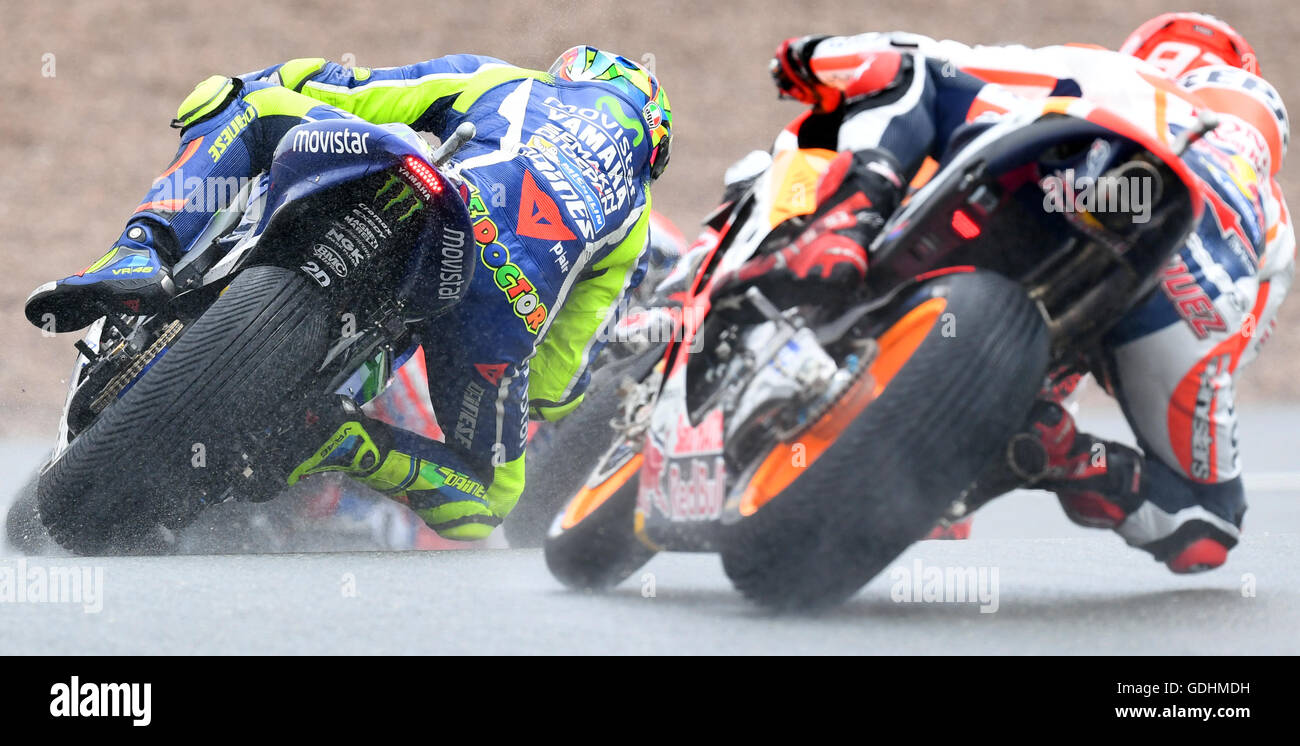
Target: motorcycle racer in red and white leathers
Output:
{"points": [[1173, 361]]}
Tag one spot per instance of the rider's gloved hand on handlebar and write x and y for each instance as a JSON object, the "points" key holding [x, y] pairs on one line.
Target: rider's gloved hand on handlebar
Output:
{"points": [[855, 197], [791, 69]]}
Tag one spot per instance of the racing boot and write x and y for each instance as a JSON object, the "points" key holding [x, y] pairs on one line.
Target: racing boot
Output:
{"points": [[1097, 482], [133, 278], [1101, 484], [436, 483]]}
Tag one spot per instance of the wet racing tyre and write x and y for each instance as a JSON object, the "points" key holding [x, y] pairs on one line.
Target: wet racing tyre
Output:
{"points": [[953, 381], [564, 453], [592, 544], [172, 442]]}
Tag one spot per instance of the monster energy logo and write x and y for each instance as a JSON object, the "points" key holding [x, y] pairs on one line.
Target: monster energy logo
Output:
{"points": [[402, 194]]}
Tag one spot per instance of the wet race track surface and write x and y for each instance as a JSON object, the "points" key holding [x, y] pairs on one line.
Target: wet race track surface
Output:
{"points": [[1045, 586]]}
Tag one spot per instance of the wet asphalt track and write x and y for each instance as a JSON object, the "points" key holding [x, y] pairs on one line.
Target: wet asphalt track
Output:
{"points": [[1060, 589]]}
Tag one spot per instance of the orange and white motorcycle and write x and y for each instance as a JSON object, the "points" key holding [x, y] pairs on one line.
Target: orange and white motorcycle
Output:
{"points": [[812, 445]]}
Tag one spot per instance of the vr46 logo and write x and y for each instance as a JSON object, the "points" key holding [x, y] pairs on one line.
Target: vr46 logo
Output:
{"points": [[399, 197]]}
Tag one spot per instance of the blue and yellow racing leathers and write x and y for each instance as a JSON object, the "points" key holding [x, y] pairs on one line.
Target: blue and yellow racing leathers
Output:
{"points": [[559, 199]]}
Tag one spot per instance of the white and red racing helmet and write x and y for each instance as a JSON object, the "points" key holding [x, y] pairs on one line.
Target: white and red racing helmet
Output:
{"points": [[1180, 42]]}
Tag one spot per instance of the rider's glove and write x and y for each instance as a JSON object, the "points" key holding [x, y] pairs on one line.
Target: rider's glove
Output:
{"points": [[791, 69], [856, 195]]}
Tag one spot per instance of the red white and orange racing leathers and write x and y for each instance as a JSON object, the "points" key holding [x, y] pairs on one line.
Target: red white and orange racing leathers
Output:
{"points": [[1176, 356]]}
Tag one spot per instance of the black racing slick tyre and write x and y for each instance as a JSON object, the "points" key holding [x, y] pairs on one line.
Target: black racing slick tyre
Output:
{"points": [[172, 443], [963, 389]]}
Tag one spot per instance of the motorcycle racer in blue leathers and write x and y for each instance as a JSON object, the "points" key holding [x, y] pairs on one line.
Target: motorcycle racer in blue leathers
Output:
{"points": [[557, 182]]}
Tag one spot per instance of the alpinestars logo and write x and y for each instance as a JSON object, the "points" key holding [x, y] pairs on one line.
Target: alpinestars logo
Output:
{"points": [[399, 197]]}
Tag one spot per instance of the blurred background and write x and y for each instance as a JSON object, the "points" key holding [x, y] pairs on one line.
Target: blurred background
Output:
{"points": [[88, 89]]}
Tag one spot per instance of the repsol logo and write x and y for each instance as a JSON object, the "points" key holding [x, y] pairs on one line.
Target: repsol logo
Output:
{"points": [[451, 271], [345, 142]]}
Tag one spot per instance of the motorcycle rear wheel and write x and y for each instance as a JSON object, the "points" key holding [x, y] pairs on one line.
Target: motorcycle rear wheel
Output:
{"points": [[172, 443], [942, 410]]}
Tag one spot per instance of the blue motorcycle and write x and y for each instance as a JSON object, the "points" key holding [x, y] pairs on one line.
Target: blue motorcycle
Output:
{"points": [[315, 280]]}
